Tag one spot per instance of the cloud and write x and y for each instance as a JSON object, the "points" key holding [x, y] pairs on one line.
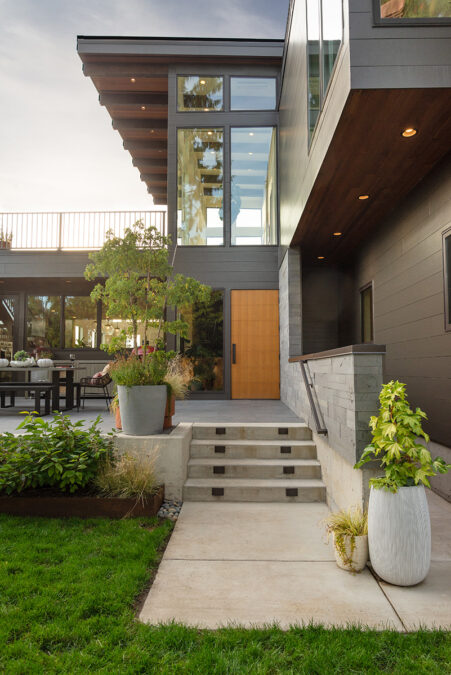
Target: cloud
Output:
{"points": [[58, 150]]}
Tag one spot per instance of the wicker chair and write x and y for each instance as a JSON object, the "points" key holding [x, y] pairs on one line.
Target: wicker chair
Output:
{"points": [[93, 383]]}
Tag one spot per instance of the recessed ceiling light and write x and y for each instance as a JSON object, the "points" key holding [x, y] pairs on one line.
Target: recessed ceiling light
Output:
{"points": [[143, 107], [202, 81], [206, 109], [251, 133], [68, 281], [409, 132], [251, 153], [210, 133], [362, 197], [132, 79], [320, 257], [337, 234]]}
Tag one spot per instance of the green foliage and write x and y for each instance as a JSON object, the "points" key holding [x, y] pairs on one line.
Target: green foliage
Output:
{"points": [[395, 431], [21, 355], [58, 453], [140, 285], [134, 371], [69, 590], [127, 477]]}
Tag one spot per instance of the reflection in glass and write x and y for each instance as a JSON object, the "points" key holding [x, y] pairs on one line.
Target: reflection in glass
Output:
{"points": [[112, 327], [254, 188], [415, 9], [43, 322], [203, 350], [200, 187], [313, 63], [252, 93], [8, 312], [332, 34], [80, 321], [195, 93], [448, 278]]}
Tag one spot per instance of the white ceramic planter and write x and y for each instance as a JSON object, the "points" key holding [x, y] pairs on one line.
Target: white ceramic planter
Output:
{"points": [[142, 409], [359, 555], [45, 363], [4, 363], [399, 535], [23, 364]]}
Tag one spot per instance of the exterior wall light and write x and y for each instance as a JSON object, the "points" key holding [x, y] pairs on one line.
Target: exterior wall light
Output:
{"points": [[409, 132], [337, 234], [363, 197]]}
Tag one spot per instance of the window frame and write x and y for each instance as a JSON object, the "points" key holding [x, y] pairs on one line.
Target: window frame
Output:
{"points": [[446, 280], [362, 289], [252, 77], [322, 96], [378, 21], [200, 112]]}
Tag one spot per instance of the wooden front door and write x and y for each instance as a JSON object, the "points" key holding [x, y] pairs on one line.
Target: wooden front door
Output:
{"points": [[255, 344]]}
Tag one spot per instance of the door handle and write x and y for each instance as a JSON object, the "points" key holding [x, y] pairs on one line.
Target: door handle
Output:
{"points": [[233, 353]]}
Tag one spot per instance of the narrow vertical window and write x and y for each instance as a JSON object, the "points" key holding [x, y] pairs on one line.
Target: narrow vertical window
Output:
{"points": [[313, 63], [366, 312], [447, 277]]}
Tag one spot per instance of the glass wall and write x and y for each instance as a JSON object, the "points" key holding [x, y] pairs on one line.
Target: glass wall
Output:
{"points": [[447, 278], [252, 93], [415, 9], [253, 186], [196, 93], [112, 327], [43, 322], [203, 350], [324, 38], [200, 187], [8, 319], [80, 322]]}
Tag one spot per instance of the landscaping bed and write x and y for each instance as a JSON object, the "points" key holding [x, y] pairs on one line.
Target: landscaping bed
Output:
{"points": [[60, 505]]}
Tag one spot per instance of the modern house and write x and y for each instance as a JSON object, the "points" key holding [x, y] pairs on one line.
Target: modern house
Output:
{"points": [[308, 181]]}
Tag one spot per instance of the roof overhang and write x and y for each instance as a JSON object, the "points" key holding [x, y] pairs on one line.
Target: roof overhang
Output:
{"points": [[369, 156], [131, 76]]}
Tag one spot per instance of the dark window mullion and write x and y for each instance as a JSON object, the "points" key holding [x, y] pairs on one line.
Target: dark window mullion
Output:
{"points": [[62, 321], [227, 191]]}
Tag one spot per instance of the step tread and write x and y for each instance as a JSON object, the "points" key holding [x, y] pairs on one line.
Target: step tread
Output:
{"points": [[250, 461], [250, 425], [246, 441], [254, 482]]}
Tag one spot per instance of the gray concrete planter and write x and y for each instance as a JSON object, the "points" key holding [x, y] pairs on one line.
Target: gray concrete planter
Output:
{"points": [[399, 535], [142, 409]]}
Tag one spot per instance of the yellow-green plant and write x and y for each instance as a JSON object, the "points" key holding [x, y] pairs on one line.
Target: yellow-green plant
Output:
{"points": [[396, 431], [127, 477], [176, 377], [350, 523]]}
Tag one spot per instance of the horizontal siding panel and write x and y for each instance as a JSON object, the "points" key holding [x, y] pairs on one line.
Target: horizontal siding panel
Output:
{"points": [[422, 328], [413, 292], [431, 346], [411, 313], [400, 77], [423, 366], [413, 52]]}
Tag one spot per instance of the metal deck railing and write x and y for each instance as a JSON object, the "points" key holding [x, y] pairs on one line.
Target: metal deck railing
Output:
{"points": [[70, 231]]}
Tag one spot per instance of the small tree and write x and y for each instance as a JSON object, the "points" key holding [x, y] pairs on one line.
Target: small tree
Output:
{"points": [[396, 431], [140, 285]]}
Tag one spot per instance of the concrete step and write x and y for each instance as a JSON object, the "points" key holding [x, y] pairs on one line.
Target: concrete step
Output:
{"points": [[254, 490], [252, 431], [249, 449], [289, 469]]}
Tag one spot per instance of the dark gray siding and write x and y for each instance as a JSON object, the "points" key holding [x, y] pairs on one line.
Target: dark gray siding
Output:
{"points": [[406, 264], [42, 264]]}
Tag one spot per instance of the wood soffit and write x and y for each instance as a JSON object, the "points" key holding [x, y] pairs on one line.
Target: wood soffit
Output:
{"points": [[369, 155]]}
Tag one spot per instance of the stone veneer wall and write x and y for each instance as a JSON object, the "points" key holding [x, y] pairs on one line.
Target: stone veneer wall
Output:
{"points": [[347, 387]]}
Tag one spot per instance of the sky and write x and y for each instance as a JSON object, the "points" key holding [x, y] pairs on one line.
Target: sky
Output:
{"points": [[58, 151]]}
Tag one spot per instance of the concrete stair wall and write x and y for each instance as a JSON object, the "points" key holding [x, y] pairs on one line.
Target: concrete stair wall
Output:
{"points": [[253, 462]]}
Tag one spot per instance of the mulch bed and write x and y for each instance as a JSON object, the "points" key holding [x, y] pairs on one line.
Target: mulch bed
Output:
{"points": [[51, 504]]}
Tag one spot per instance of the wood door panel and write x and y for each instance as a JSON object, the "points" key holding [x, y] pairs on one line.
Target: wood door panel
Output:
{"points": [[255, 332]]}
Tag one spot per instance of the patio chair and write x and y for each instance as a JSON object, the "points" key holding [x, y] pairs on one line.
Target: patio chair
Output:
{"points": [[93, 383]]}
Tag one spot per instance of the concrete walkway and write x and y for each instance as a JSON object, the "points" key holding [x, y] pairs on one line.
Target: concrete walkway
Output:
{"points": [[255, 564]]}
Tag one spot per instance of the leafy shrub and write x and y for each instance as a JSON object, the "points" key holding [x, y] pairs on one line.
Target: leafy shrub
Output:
{"points": [[127, 477], [21, 355], [133, 371], [396, 430], [58, 453]]}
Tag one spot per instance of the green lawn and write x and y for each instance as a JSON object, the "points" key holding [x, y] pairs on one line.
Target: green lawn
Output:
{"points": [[68, 589]]}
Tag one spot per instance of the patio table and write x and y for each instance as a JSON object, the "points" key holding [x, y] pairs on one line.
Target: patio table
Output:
{"points": [[55, 370]]}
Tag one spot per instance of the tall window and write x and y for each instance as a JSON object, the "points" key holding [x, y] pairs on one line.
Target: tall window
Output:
{"points": [[366, 312], [197, 94], [200, 187], [80, 322], [414, 9], [447, 277], [253, 186], [43, 321], [324, 38], [8, 325]]}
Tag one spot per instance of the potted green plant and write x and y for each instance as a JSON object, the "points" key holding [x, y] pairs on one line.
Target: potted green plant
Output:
{"points": [[176, 379], [140, 287], [22, 359], [399, 531], [349, 529]]}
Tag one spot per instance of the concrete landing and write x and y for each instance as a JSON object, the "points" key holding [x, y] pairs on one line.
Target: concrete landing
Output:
{"points": [[255, 564]]}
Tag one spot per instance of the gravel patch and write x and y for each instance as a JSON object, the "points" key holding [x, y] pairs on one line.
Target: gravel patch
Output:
{"points": [[170, 509]]}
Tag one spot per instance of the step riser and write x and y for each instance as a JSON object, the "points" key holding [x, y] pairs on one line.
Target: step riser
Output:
{"points": [[252, 451], [254, 472], [238, 494], [253, 433]]}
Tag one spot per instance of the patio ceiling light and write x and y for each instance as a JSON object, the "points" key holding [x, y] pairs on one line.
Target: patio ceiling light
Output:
{"points": [[143, 107], [202, 81], [409, 132], [337, 234], [132, 79], [363, 197], [321, 257]]}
